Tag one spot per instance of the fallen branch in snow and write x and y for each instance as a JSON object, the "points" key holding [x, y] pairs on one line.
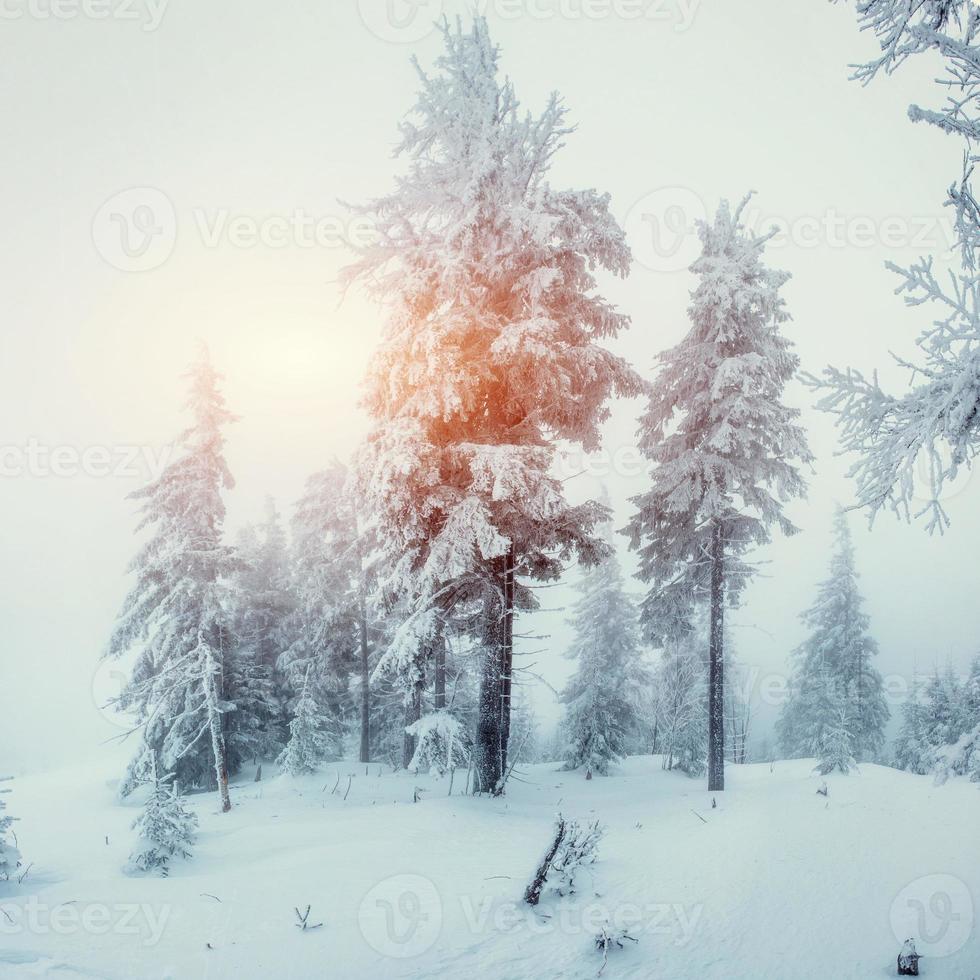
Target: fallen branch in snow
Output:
{"points": [[209, 895], [532, 894], [350, 779], [335, 785], [698, 815], [303, 917], [572, 848], [20, 880]]}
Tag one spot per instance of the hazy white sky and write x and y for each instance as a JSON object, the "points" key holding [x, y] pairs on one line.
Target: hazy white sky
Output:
{"points": [[244, 124]]}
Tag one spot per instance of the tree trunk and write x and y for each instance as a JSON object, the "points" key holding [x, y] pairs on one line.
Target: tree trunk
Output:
{"points": [[365, 754], [507, 659], [217, 738], [716, 669], [439, 668], [413, 710], [487, 753]]}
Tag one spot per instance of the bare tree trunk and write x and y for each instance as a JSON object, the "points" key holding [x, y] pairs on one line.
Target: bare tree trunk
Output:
{"points": [[716, 670], [413, 709], [439, 668], [365, 754], [487, 754], [215, 724], [507, 658]]}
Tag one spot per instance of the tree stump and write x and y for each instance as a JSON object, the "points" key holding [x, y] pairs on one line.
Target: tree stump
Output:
{"points": [[908, 960]]}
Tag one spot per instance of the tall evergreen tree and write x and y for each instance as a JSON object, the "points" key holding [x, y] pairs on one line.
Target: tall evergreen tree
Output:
{"points": [[837, 740], [310, 740], [330, 640], [834, 664], [680, 702], [491, 354], [941, 726], [174, 617], [602, 697], [262, 603], [723, 447]]}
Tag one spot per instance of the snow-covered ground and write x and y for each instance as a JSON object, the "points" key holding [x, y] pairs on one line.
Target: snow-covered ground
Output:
{"points": [[777, 881]]}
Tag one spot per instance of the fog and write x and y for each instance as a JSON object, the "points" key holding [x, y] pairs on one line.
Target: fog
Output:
{"points": [[254, 122]]}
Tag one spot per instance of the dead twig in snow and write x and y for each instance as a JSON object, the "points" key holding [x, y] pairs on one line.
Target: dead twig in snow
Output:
{"points": [[303, 920]]}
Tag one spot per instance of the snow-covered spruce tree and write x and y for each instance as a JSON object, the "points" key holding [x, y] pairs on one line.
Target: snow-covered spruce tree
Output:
{"points": [[602, 697], [330, 630], [9, 854], [310, 740], [165, 829], [442, 743], [838, 653], [490, 356], [723, 447], [837, 742], [174, 617], [262, 603], [941, 726], [935, 424], [525, 736], [913, 751], [681, 704]]}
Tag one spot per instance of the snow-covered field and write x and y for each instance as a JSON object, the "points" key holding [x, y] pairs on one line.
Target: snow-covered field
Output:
{"points": [[777, 881]]}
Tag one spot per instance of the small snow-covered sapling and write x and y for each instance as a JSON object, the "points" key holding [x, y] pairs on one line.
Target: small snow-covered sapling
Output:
{"points": [[605, 940]]}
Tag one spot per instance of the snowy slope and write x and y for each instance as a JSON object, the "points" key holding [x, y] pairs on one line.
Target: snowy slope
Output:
{"points": [[777, 881]]}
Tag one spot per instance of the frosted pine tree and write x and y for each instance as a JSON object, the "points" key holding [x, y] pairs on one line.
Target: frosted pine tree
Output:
{"points": [[941, 726], [491, 354], [9, 854], [912, 750], [837, 744], [262, 603], [681, 704], [603, 695], [442, 743], [175, 616], [724, 450], [331, 638], [838, 653], [165, 829], [933, 428], [310, 741]]}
